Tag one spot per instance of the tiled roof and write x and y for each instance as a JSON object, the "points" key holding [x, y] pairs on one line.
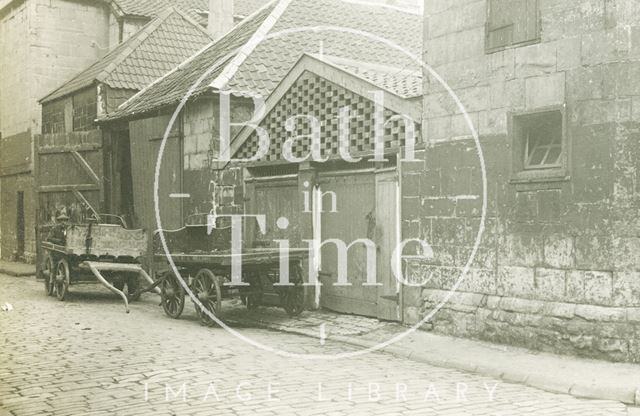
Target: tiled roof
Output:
{"points": [[195, 8], [152, 52], [294, 27], [404, 82]]}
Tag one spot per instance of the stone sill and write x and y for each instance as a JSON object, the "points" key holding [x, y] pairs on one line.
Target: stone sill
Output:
{"points": [[489, 51], [538, 179]]}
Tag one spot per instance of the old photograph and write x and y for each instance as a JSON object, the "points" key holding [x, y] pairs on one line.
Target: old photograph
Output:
{"points": [[320, 207]]}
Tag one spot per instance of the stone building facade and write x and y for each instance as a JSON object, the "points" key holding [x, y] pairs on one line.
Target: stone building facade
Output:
{"points": [[43, 44], [552, 89]]}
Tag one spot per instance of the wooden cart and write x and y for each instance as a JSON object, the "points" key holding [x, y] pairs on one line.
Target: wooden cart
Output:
{"points": [[82, 253], [204, 261]]}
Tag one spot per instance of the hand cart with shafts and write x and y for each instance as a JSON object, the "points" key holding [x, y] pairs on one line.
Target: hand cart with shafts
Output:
{"points": [[82, 253], [204, 261]]}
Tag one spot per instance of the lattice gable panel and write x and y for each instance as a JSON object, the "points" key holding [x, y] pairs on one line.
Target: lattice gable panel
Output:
{"points": [[323, 99]]}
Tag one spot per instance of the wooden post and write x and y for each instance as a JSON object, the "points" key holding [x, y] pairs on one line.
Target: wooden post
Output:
{"points": [[307, 180]]}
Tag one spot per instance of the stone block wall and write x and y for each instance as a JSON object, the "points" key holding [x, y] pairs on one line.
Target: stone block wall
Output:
{"points": [[14, 29], [65, 37], [204, 181], [558, 265]]}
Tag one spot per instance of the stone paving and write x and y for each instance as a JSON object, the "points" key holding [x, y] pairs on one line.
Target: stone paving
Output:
{"points": [[86, 356]]}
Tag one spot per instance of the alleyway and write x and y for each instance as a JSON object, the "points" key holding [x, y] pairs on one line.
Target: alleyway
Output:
{"points": [[86, 356]]}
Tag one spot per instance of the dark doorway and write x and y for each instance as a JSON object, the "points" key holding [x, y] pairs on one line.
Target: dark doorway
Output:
{"points": [[120, 182], [126, 179], [20, 225]]}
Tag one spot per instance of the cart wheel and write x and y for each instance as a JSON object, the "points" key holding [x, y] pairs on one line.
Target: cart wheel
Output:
{"points": [[254, 298], [62, 279], [172, 296], [49, 275], [293, 297], [293, 300], [206, 287]]}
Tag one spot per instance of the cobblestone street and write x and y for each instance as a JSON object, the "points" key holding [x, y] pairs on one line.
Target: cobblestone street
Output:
{"points": [[86, 356]]}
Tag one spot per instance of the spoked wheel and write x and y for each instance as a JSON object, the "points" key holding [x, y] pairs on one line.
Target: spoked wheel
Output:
{"points": [[206, 287], [62, 279], [49, 272], [292, 297], [254, 297], [172, 295]]}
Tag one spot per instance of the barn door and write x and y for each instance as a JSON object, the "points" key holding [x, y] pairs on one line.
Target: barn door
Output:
{"points": [[170, 184], [69, 179], [365, 209], [145, 140], [69, 175], [352, 219]]}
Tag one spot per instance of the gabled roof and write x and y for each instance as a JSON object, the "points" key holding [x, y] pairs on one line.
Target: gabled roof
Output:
{"points": [[197, 9], [254, 57], [152, 52]]}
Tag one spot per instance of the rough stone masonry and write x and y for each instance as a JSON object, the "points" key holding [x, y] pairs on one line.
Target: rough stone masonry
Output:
{"points": [[558, 266]]}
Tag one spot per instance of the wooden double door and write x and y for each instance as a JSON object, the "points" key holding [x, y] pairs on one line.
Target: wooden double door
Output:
{"points": [[355, 206]]}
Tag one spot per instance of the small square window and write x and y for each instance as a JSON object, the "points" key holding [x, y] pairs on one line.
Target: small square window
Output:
{"points": [[542, 140], [540, 148]]}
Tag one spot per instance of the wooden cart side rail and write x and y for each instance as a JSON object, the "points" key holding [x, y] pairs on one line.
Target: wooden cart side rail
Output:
{"points": [[55, 247], [225, 259]]}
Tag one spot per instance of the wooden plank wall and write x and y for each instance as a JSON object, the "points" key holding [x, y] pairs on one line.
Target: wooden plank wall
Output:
{"points": [[146, 138]]}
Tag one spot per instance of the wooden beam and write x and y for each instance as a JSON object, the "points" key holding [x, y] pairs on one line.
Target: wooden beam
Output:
{"points": [[82, 148], [82, 199], [68, 188], [86, 167]]}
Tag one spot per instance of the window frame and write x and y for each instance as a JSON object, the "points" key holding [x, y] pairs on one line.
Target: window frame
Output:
{"points": [[520, 173], [487, 46]]}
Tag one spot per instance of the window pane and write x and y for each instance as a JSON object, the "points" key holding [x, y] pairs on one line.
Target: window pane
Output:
{"points": [[541, 136], [554, 156], [538, 156]]}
